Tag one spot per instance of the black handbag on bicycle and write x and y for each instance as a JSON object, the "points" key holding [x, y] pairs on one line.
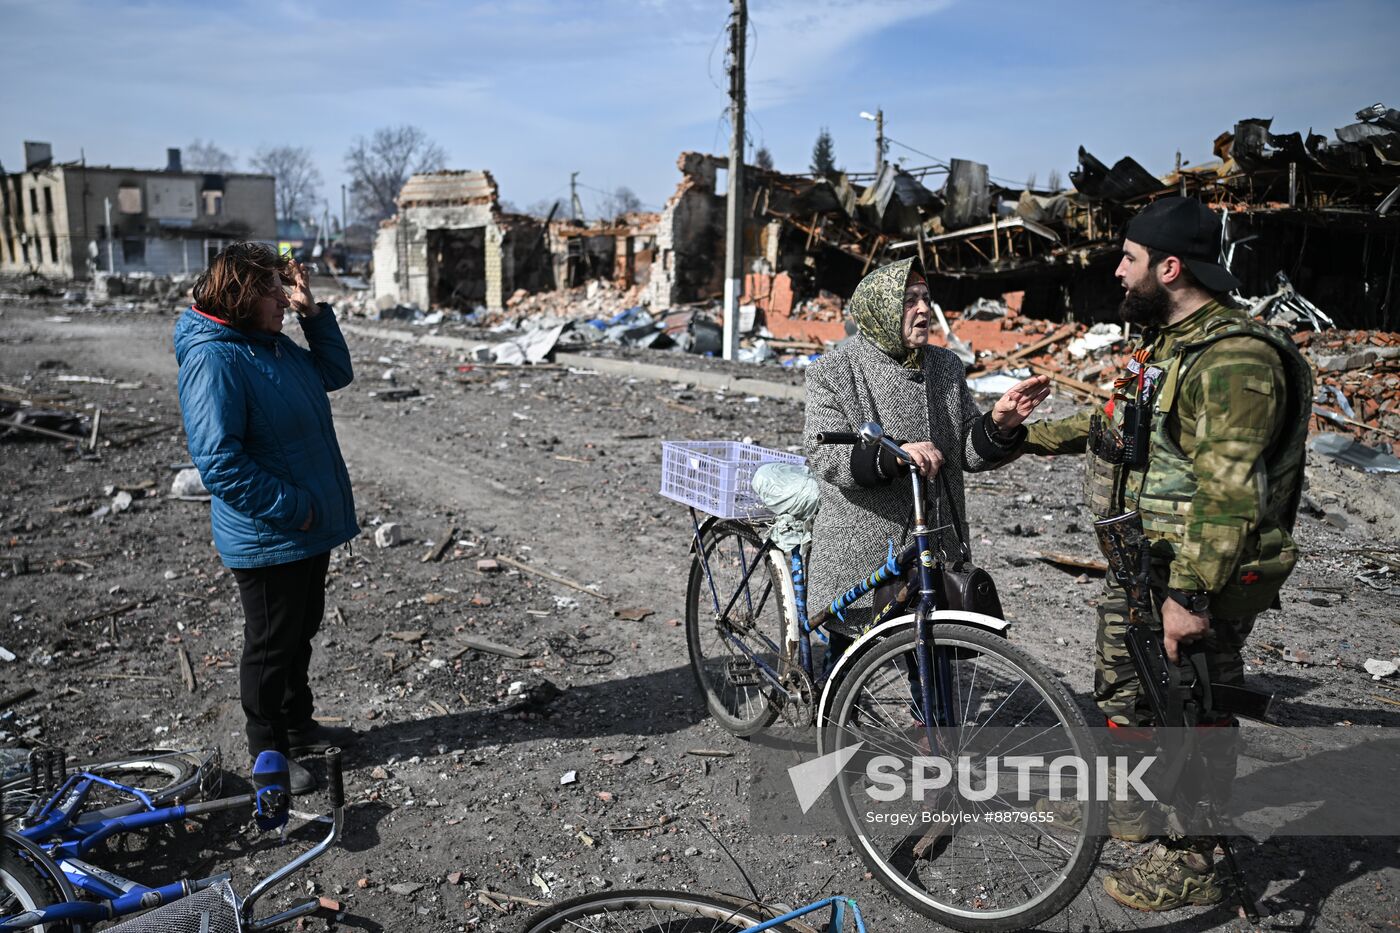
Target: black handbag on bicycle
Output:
{"points": [[961, 583]]}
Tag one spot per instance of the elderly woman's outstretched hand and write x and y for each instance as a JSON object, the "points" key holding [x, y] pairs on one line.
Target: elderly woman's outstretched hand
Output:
{"points": [[1018, 402]]}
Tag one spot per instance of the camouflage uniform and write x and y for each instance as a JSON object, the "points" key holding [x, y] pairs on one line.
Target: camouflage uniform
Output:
{"points": [[1229, 402], [1217, 494]]}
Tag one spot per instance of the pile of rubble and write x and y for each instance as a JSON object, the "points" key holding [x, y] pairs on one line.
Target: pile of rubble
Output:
{"points": [[1357, 401], [103, 293], [1358, 382]]}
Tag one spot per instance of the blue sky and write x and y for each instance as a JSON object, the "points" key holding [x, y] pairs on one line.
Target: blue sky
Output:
{"points": [[535, 89]]}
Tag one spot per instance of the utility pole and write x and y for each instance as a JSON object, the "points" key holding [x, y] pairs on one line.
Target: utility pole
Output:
{"points": [[879, 140], [344, 212], [878, 118], [107, 202], [575, 205], [734, 218]]}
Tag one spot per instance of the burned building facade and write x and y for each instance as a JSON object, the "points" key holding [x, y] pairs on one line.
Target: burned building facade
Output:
{"points": [[72, 221], [451, 246]]}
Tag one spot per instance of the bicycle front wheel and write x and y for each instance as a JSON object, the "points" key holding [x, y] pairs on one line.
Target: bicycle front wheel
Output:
{"points": [[652, 912], [952, 842], [734, 627], [22, 888]]}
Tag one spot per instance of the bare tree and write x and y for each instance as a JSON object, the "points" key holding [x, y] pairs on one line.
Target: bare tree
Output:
{"points": [[763, 159], [200, 156], [379, 166], [1030, 182], [620, 202], [298, 179], [1053, 182], [542, 208]]}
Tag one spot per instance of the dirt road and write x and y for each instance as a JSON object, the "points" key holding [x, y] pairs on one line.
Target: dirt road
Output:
{"points": [[460, 783]]}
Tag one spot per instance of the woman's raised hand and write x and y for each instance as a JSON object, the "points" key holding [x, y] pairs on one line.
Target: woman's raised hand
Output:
{"points": [[302, 302], [1018, 402]]}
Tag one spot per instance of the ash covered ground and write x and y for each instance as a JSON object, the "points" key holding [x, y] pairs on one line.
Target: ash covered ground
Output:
{"points": [[457, 785]]}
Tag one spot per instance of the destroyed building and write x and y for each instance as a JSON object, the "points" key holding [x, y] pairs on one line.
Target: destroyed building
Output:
{"points": [[621, 250], [451, 246], [1300, 212], [71, 220]]}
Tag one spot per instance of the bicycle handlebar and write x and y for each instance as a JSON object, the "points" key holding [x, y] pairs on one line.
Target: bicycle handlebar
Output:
{"points": [[334, 780], [838, 437], [336, 790], [878, 437]]}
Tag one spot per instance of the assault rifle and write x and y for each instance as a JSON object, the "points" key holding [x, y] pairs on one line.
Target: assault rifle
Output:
{"points": [[1181, 696]]}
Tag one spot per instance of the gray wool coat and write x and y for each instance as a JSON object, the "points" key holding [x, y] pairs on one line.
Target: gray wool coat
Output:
{"points": [[857, 382]]}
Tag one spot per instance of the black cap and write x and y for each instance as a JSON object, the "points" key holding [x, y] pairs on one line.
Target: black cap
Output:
{"points": [[1187, 229]]}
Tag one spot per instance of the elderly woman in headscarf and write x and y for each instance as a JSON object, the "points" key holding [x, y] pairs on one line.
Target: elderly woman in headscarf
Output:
{"points": [[889, 374]]}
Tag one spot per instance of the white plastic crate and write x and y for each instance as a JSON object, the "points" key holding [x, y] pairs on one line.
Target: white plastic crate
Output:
{"points": [[717, 476]]}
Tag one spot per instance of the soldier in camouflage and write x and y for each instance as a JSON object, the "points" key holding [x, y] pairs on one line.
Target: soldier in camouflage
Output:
{"points": [[1204, 436]]}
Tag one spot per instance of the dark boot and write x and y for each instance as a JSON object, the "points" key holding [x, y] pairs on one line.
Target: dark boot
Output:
{"points": [[313, 738]]}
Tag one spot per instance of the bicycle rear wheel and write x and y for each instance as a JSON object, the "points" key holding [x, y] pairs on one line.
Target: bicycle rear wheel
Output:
{"points": [[164, 776], [653, 912], [733, 626], [987, 865]]}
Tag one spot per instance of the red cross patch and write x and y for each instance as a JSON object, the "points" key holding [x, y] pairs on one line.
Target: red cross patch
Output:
{"points": [[1249, 576]]}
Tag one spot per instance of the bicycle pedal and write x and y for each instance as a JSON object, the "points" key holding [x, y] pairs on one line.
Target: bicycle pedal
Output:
{"points": [[741, 672]]}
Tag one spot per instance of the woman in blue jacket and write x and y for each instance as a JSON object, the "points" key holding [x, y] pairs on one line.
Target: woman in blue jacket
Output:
{"points": [[258, 424]]}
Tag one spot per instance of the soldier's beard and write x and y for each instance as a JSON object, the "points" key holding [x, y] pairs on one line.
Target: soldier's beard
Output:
{"points": [[1148, 305]]}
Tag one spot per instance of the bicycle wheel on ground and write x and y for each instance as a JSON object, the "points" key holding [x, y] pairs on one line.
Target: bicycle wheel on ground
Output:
{"points": [[164, 776], [22, 887], [653, 912], [734, 626], [980, 856]]}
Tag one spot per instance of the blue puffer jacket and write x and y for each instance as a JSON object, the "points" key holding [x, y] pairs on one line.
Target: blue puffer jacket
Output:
{"points": [[258, 425]]}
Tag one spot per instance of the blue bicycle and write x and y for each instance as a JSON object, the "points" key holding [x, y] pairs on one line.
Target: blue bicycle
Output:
{"points": [[56, 818], [918, 680]]}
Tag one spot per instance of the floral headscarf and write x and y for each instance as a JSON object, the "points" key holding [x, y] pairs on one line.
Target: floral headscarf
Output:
{"points": [[877, 307]]}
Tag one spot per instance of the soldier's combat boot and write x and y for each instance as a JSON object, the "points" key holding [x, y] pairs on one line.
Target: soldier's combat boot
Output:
{"points": [[1172, 874], [1127, 820]]}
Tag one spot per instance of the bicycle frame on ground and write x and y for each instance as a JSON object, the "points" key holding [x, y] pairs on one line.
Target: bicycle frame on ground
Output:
{"points": [[838, 904], [60, 833]]}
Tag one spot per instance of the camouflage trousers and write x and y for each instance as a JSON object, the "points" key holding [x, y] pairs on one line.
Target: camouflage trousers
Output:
{"points": [[1120, 698], [1116, 688]]}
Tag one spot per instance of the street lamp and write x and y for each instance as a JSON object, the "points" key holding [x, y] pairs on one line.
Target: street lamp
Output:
{"points": [[878, 118]]}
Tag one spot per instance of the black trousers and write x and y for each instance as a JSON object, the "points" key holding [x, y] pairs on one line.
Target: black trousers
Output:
{"points": [[282, 608]]}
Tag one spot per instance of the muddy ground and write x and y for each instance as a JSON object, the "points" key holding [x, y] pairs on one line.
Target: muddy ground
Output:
{"points": [[457, 785]]}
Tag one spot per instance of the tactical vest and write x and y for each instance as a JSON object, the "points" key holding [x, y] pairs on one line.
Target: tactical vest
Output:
{"points": [[1163, 490]]}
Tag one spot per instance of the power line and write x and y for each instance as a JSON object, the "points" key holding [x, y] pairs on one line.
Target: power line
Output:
{"points": [[891, 139]]}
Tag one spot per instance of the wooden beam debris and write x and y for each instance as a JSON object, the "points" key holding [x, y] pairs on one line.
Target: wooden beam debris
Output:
{"points": [[1069, 560], [438, 549], [18, 696], [1084, 388], [563, 581], [186, 668], [472, 643], [124, 607]]}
